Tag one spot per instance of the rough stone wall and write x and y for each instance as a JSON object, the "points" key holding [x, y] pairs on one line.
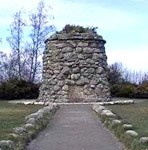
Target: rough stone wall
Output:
{"points": [[74, 68]]}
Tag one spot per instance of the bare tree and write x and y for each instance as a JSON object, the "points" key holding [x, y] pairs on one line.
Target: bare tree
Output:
{"points": [[40, 29], [115, 73], [7, 67], [118, 74], [16, 40], [3, 59], [25, 54], [144, 79]]}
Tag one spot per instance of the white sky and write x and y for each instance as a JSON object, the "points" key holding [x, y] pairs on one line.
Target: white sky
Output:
{"points": [[123, 24]]}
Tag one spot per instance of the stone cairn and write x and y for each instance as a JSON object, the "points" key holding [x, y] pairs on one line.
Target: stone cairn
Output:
{"points": [[75, 67]]}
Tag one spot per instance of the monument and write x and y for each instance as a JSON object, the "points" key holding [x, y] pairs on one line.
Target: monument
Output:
{"points": [[75, 67]]}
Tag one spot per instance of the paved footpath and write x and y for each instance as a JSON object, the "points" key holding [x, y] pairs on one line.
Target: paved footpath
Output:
{"points": [[75, 127]]}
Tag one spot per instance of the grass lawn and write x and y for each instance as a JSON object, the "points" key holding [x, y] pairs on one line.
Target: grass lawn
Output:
{"points": [[12, 115], [136, 114]]}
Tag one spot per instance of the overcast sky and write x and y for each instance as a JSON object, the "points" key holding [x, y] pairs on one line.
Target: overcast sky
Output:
{"points": [[122, 23]]}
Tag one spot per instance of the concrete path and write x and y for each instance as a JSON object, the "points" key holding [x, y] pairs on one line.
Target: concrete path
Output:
{"points": [[75, 127]]}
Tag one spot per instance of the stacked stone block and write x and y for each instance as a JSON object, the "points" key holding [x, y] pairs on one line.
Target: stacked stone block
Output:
{"points": [[75, 68]]}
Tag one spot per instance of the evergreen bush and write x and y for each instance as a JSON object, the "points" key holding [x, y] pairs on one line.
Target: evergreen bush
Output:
{"points": [[18, 89]]}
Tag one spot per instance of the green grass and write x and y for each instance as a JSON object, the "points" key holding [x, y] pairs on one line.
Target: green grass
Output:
{"points": [[12, 115], [137, 115]]}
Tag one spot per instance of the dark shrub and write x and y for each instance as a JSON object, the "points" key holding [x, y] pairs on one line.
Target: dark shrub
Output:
{"points": [[141, 91], [123, 90], [128, 90], [18, 89]]}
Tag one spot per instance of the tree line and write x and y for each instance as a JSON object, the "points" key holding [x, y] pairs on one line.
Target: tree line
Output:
{"points": [[127, 84]]}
